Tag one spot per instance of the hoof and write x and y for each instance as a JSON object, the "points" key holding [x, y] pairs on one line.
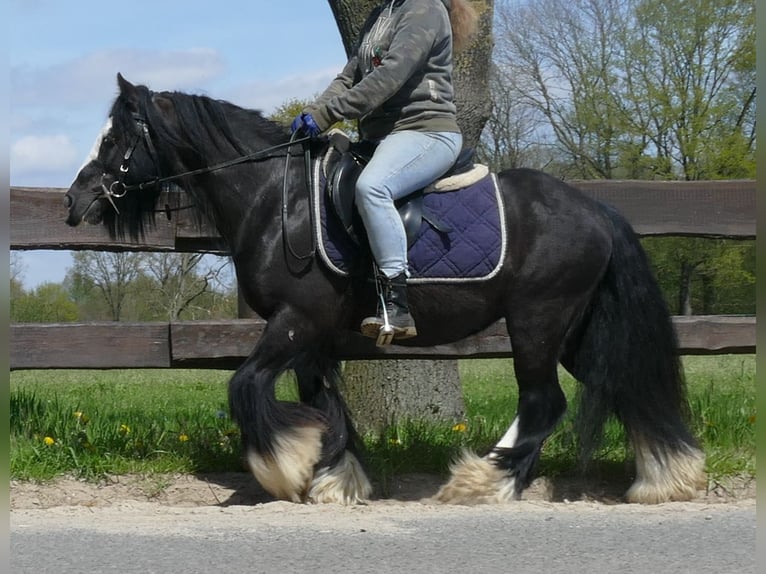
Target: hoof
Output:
{"points": [[286, 473], [476, 480], [667, 477], [345, 483]]}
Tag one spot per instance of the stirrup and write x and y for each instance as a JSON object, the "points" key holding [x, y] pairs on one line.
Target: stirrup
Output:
{"points": [[386, 331], [380, 327]]}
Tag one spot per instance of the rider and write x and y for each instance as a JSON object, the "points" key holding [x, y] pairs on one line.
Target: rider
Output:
{"points": [[398, 84]]}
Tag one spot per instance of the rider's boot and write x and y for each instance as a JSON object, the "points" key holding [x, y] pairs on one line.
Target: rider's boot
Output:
{"points": [[393, 319]]}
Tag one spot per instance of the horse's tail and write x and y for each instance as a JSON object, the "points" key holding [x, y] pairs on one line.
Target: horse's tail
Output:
{"points": [[625, 352]]}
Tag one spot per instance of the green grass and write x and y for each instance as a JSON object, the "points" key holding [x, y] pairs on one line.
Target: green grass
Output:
{"points": [[95, 423]]}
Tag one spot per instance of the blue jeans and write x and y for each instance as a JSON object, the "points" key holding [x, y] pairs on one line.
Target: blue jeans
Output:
{"points": [[403, 163]]}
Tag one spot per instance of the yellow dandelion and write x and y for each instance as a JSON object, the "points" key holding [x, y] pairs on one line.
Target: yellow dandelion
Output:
{"points": [[183, 437], [49, 441], [394, 441], [82, 417], [459, 427], [124, 429]]}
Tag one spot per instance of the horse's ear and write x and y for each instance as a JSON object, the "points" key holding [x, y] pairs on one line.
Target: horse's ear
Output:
{"points": [[125, 86]]}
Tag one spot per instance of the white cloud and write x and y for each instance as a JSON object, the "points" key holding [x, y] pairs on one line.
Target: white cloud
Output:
{"points": [[91, 78], [43, 154], [269, 94]]}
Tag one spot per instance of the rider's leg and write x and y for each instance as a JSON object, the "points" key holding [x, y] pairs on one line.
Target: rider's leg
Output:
{"points": [[402, 163]]}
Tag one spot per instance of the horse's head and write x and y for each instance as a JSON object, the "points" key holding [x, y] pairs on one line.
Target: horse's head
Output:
{"points": [[115, 184]]}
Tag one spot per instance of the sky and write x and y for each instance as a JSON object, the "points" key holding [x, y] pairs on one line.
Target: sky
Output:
{"points": [[64, 58]]}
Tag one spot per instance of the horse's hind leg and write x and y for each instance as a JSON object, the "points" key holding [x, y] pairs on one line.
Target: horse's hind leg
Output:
{"points": [[339, 476], [508, 469]]}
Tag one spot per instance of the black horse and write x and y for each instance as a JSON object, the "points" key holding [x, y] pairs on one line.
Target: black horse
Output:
{"points": [[574, 288]]}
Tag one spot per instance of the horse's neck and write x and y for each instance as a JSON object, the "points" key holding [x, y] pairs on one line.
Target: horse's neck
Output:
{"points": [[242, 201], [243, 196]]}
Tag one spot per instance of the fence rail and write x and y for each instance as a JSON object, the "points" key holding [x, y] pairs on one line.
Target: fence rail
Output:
{"points": [[225, 344], [705, 209]]}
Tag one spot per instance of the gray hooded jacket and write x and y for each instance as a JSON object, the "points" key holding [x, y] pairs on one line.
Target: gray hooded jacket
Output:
{"points": [[400, 77]]}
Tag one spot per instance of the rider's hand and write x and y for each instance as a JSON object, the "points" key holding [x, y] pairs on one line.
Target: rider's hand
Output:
{"points": [[305, 123]]}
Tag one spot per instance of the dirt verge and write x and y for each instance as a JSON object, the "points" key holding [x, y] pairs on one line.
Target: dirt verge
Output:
{"points": [[234, 489]]}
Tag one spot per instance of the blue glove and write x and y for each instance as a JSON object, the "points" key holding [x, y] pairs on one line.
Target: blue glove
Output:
{"points": [[305, 123]]}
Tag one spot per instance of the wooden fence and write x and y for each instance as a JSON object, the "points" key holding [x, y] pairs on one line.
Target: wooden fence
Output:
{"points": [[704, 209]]}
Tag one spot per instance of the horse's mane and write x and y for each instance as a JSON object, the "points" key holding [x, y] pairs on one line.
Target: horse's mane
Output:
{"points": [[204, 129]]}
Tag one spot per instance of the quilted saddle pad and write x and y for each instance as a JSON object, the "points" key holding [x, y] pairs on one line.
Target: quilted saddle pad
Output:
{"points": [[472, 249]]}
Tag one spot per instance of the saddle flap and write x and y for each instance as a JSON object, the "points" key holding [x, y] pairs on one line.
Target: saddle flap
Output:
{"points": [[341, 190]]}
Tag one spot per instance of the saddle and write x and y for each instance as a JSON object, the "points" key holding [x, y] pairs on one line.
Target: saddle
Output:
{"points": [[345, 161]]}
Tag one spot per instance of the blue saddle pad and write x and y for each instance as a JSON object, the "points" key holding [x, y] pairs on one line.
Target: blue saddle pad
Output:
{"points": [[473, 249]]}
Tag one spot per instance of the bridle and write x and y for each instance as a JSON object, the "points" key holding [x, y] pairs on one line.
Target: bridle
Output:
{"points": [[118, 188]]}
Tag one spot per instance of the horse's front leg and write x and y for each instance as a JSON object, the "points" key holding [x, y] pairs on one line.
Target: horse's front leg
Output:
{"points": [[339, 476], [282, 441], [297, 451]]}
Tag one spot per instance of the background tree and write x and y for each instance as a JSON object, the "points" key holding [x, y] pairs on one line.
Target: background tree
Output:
{"points": [[47, 303], [151, 286], [179, 280], [112, 275], [514, 134], [16, 268], [379, 392], [634, 89], [637, 88], [692, 64], [705, 276]]}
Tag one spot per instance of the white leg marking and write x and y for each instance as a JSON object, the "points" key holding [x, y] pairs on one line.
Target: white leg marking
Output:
{"points": [[288, 472], [476, 480], [509, 438], [345, 483], [664, 477], [97, 145]]}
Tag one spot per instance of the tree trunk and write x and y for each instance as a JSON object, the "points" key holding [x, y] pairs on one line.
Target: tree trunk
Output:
{"points": [[472, 73], [685, 289], [379, 393]]}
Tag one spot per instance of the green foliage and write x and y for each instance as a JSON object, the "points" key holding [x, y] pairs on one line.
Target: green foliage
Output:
{"points": [[647, 89], [47, 303], [704, 276], [90, 423]]}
